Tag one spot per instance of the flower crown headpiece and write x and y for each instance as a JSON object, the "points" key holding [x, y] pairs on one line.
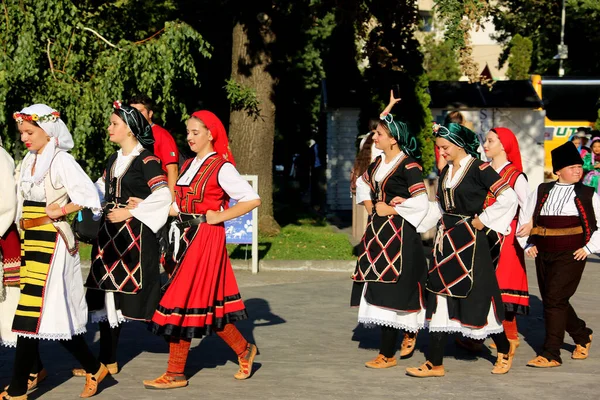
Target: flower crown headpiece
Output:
{"points": [[52, 117]]}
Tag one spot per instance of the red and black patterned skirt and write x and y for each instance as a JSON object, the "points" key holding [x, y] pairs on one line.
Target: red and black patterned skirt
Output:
{"points": [[202, 295], [512, 276]]}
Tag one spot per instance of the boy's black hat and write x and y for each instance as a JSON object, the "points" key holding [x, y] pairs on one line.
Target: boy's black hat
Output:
{"points": [[564, 156]]}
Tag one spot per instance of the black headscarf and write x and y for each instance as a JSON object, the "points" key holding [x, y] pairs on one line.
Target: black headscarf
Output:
{"points": [[136, 122]]}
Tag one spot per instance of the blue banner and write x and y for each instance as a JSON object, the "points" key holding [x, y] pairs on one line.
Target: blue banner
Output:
{"points": [[239, 230]]}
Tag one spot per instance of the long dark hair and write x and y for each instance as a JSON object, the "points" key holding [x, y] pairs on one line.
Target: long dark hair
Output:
{"points": [[362, 161]]}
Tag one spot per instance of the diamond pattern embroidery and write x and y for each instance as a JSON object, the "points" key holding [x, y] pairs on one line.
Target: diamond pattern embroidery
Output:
{"points": [[451, 273], [381, 258], [117, 264]]}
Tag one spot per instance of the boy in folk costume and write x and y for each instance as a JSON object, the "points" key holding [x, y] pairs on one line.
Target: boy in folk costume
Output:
{"points": [[564, 216]]}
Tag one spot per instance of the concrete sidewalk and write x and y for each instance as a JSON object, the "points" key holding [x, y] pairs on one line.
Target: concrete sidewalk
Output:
{"points": [[311, 348]]}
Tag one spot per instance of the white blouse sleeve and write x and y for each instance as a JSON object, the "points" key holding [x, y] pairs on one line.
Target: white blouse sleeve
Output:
{"points": [[525, 216], [593, 246], [234, 185], [499, 215], [522, 190], [66, 172], [434, 213], [153, 211], [100, 187], [8, 203], [414, 209], [363, 191]]}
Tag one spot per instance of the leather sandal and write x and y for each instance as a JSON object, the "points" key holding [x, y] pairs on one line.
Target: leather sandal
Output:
{"points": [[166, 381], [92, 381], [408, 345], [381, 361], [503, 363], [426, 370], [35, 379], [543, 362], [113, 369], [245, 362], [582, 352], [4, 396]]}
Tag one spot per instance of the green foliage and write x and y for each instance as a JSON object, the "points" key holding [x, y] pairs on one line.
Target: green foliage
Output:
{"points": [[242, 98], [440, 60], [541, 21], [519, 61], [597, 126], [394, 58], [79, 58]]}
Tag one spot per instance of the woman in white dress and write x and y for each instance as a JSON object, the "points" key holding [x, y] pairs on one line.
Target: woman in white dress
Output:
{"points": [[52, 302]]}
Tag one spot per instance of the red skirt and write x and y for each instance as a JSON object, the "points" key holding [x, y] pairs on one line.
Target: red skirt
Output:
{"points": [[512, 276], [203, 295]]}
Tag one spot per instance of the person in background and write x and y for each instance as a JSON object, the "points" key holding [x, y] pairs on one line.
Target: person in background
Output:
{"points": [[361, 163], [577, 139], [591, 165], [165, 147]]}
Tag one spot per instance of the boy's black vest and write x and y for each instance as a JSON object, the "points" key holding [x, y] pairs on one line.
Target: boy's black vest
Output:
{"points": [[583, 202]]}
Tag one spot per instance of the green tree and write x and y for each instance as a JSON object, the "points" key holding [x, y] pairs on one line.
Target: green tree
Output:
{"points": [[519, 60], [79, 57], [440, 60], [540, 20], [394, 58]]}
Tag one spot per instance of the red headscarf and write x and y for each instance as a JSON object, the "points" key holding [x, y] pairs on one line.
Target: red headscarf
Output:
{"points": [[219, 135], [511, 146]]}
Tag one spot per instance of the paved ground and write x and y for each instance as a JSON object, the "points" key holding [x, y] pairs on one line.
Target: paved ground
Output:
{"points": [[312, 348]]}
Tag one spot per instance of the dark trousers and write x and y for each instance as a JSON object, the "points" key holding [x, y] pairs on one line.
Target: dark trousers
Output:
{"points": [[27, 355], [558, 276], [437, 344]]}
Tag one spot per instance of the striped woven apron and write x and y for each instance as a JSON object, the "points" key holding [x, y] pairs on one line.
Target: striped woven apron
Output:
{"points": [[37, 249]]}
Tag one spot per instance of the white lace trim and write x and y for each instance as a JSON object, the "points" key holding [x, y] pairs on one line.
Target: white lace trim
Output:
{"points": [[102, 316], [53, 336], [373, 322], [476, 334], [8, 344]]}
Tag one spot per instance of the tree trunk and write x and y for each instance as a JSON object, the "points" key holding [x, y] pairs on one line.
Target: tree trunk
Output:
{"points": [[252, 137]]}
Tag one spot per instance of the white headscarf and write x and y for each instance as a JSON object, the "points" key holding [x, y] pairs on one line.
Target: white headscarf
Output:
{"points": [[57, 130]]}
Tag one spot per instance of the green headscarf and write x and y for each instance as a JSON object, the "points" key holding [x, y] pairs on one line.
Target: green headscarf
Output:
{"points": [[459, 135], [136, 122], [406, 140]]}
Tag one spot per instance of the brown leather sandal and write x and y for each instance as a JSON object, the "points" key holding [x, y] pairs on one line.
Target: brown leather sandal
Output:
{"points": [[503, 363], [92, 381], [166, 381], [245, 362], [4, 396], [408, 345], [113, 369], [381, 361], [35, 379], [426, 370], [582, 352], [543, 362]]}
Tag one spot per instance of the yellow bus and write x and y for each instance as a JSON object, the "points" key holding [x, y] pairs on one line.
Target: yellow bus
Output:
{"points": [[569, 104]]}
